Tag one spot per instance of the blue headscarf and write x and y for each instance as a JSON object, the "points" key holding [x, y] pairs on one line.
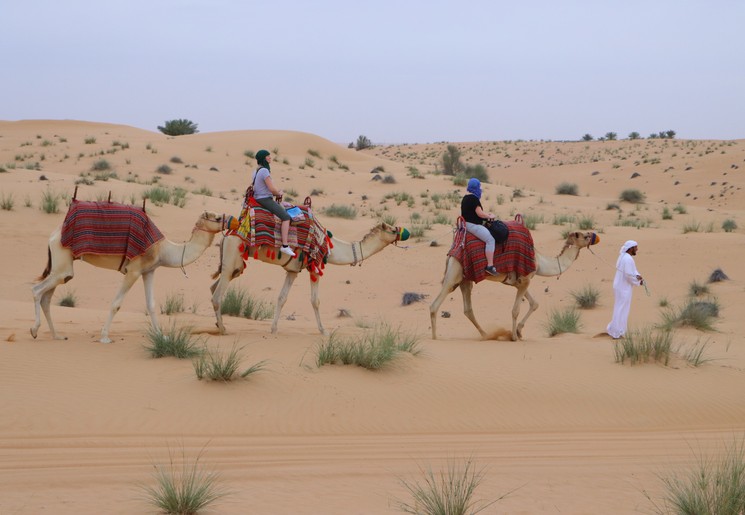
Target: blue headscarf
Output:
{"points": [[474, 186]]}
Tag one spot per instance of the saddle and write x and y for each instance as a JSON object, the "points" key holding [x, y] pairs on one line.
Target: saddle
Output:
{"points": [[516, 255], [258, 227]]}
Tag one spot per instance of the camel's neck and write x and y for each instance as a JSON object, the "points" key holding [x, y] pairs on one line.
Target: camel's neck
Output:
{"points": [[547, 266], [345, 253], [182, 254]]}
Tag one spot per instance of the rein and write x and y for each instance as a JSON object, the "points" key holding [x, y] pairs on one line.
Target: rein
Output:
{"points": [[646, 290], [183, 250]]}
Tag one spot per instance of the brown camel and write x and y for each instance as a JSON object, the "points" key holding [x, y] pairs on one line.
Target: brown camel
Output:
{"points": [[545, 266], [59, 269], [343, 253]]}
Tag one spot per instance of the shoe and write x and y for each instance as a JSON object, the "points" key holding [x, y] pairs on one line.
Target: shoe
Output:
{"points": [[285, 249], [491, 270]]}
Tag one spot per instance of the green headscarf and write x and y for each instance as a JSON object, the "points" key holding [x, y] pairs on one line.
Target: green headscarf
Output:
{"points": [[261, 156]]}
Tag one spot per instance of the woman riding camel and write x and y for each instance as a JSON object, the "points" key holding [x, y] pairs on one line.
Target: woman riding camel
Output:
{"points": [[264, 193], [475, 216]]}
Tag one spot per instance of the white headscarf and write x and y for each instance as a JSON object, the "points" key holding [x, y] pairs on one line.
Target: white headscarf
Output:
{"points": [[626, 246]]}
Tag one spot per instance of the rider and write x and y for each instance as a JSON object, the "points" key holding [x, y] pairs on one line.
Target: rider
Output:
{"points": [[475, 216], [264, 193]]}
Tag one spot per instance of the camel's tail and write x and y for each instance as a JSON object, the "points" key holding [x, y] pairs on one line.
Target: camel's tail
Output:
{"points": [[48, 269]]}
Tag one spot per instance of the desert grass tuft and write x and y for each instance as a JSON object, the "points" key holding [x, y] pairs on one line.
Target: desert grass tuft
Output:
{"points": [[691, 226], [239, 302], [174, 304], [256, 309], [644, 345], [694, 313], [217, 366], [449, 492], [567, 188], [563, 321], [50, 202], [341, 211], [633, 196], [372, 350], [68, 300], [183, 488], [696, 289], [7, 202], [177, 342], [587, 297], [694, 354], [714, 486]]}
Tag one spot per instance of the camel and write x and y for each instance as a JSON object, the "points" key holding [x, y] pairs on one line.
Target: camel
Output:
{"points": [[59, 269], [343, 253], [545, 266]]}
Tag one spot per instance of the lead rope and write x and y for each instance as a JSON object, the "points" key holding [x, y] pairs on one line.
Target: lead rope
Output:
{"points": [[183, 253], [646, 290]]}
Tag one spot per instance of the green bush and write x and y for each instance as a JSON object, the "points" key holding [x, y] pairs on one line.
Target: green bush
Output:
{"points": [[178, 127], [729, 225], [566, 188], [632, 196], [101, 166]]}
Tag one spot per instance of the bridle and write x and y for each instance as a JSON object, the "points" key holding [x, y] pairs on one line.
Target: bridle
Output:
{"points": [[355, 262], [195, 229]]}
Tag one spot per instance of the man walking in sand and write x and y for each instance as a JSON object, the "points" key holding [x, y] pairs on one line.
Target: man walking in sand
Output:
{"points": [[626, 278]]}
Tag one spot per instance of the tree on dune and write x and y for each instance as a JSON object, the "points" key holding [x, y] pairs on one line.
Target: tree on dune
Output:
{"points": [[178, 127]]}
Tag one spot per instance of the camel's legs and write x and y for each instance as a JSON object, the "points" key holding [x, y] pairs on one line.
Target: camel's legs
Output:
{"points": [[147, 280], [232, 266], [61, 272], [466, 287], [449, 283], [129, 280], [315, 301], [517, 332], [289, 279]]}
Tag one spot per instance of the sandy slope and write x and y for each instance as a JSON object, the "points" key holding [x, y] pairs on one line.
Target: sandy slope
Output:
{"points": [[554, 420]]}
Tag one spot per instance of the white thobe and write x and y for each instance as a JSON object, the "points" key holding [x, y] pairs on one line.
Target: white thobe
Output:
{"points": [[623, 284]]}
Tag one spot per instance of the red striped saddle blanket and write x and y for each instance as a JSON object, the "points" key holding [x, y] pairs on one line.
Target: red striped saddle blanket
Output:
{"points": [[517, 254], [108, 228], [258, 226]]}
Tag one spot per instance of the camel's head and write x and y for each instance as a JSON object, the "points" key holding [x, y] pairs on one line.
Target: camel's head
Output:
{"points": [[210, 222], [583, 240], [393, 234]]}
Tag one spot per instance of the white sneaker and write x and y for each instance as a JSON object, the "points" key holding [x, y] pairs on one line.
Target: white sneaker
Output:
{"points": [[285, 249]]}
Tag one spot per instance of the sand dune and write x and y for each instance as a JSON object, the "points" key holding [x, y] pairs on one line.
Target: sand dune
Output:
{"points": [[554, 420]]}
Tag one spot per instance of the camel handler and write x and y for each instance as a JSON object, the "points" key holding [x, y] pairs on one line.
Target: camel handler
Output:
{"points": [[627, 276]]}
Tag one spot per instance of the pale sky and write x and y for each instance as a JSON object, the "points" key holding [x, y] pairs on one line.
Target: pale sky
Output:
{"points": [[395, 71]]}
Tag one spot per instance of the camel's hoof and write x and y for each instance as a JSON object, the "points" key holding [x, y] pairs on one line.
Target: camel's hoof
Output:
{"points": [[33, 333], [103, 340]]}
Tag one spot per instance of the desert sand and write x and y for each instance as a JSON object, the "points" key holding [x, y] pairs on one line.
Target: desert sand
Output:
{"points": [[554, 421]]}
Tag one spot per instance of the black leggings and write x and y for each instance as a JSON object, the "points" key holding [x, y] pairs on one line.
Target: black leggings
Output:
{"points": [[273, 206]]}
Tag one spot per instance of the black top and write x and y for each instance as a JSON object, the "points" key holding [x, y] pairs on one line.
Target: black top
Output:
{"points": [[468, 209]]}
